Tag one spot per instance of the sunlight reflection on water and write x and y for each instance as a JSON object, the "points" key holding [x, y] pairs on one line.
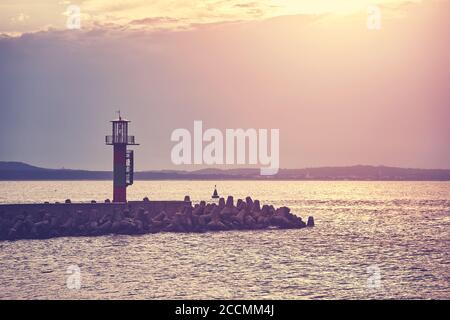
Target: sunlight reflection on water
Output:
{"points": [[402, 228]]}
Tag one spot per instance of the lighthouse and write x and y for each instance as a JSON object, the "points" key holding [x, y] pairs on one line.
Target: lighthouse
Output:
{"points": [[123, 158]]}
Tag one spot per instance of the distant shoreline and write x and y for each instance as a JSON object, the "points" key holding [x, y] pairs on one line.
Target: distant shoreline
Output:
{"points": [[259, 180], [18, 171]]}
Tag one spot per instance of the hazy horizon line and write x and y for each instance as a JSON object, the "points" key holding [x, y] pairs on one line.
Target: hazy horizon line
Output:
{"points": [[231, 168]]}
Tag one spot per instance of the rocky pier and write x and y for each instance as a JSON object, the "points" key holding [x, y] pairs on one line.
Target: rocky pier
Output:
{"points": [[43, 221]]}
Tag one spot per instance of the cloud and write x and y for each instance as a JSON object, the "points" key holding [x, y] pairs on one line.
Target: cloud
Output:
{"points": [[165, 14], [154, 20], [107, 6], [247, 5]]}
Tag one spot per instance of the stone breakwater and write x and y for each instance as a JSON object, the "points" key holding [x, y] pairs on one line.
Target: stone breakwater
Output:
{"points": [[43, 221]]}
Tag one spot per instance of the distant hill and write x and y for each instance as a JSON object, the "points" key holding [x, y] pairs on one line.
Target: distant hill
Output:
{"points": [[23, 171], [17, 166]]}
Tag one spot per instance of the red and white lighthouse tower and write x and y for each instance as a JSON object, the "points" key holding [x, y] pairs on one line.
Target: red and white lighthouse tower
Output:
{"points": [[123, 158]]}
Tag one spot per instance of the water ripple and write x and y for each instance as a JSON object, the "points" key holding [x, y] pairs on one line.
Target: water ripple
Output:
{"points": [[400, 228]]}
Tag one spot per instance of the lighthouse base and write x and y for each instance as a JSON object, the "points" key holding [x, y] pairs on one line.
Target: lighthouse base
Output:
{"points": [[120, 194]]}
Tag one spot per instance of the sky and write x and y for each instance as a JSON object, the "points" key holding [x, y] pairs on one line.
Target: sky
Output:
{"points": [[21, 16], [340, 92]]}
